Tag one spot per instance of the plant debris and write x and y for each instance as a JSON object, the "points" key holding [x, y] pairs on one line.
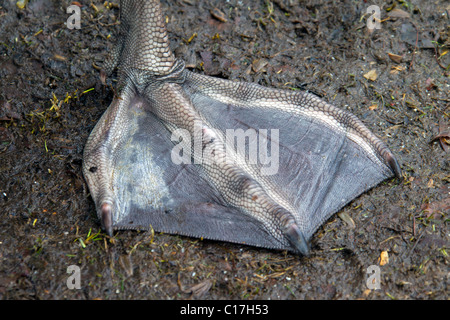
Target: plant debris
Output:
{"points": [[371, 75], [219, 15], [443, 136], [384, 258]]}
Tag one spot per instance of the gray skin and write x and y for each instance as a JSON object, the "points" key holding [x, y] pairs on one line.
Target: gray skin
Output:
{"points": [[160, 157]]}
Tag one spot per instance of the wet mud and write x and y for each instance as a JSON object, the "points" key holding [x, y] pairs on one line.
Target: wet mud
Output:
{"points": [[395, 79]]}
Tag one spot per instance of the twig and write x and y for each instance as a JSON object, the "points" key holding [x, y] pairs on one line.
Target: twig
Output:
{"points": [[417, 241], [436, 54], [415, 46]]}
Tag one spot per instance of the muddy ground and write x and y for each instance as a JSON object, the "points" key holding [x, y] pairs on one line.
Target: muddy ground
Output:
{"points": [[51, 98]]}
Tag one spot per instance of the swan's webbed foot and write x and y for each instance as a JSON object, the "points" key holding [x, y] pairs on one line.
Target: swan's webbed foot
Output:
{"points": [[194, 155]]}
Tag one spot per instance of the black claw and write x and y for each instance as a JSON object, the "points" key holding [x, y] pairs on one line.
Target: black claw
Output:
{"points": [[297, 239], [103, 77], [393, 164], [107, 218]]}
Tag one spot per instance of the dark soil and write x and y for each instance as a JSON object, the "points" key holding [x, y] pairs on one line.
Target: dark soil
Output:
{"points": [[51, 97]]}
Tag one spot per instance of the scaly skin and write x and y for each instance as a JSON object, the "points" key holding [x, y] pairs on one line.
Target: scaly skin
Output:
{"points": [[153, 82]]}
